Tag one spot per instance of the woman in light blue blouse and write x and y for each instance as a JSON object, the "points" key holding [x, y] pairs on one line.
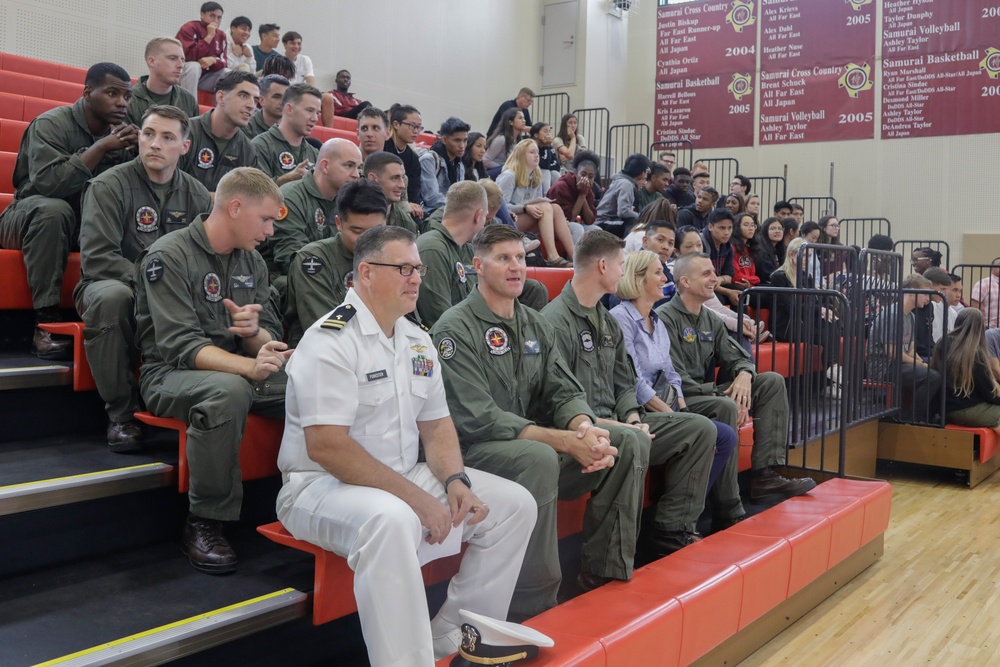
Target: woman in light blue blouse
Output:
{"points": [[658, 385]]}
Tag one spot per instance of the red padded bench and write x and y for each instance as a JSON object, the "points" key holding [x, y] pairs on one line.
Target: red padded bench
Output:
{"points": [[758, 577], [7, 162], [23, 107], [83, 378], [43, 68], [40, 86], [554, 279], [347, 124], [16, 295], [324, 134], [11, 132], [258, 449]]}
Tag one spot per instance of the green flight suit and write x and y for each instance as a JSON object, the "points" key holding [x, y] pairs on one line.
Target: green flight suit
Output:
{"points": [[685, 442], [277, 157], [318, 279], [309, 217], [42, 221], [143, 98], [256, 126], [503, 376], [451, 276], [206, 162], [699, 343], [399, 216], [122, 216], [180, 284]]}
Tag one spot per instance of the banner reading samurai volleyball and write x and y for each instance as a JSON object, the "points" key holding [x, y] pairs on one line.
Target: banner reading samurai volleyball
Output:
{"points": [[705, 73], [940, 68], [817, 65]]}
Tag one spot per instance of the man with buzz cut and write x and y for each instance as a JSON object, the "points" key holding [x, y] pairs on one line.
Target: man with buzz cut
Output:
{"points": [[283, 151], [521, 414], [321, 272], [310, 207], [446, 250], [60, 151], [699, 343], [272, 91], [217, 144], [593, 345], [388, 171], [373, 126], [124, 211], [210, 336], [165, 61]]}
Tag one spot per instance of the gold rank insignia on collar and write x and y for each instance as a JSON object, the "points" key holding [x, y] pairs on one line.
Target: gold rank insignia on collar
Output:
{"points": [[339, 317]]}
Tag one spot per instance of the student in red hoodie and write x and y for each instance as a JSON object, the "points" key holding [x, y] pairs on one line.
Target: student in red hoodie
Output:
{"points": [[743, 240]]}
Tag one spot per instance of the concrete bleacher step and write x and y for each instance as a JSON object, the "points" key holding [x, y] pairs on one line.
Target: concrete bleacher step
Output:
{"points": [[20, 370], [146, 606]]}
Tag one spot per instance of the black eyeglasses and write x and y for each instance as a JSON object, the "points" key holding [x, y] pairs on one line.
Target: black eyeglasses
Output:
{"points": [[405, 270]]}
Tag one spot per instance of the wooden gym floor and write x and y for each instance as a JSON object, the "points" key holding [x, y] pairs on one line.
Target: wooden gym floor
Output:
{"points": [[933, 598]]}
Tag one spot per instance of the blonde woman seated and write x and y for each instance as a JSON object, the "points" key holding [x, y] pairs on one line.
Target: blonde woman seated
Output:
{"points": [[521, 185], [658, 384], [972, 396]]}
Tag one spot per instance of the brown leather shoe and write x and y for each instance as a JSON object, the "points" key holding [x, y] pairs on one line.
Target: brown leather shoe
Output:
{"points": [[45, 346], [767, 485], [664, 543], [206, 547], [125, 436]]}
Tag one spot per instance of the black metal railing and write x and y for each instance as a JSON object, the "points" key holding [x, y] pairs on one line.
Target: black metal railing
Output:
{"points": [[722, 170], [858, 231], [906, 247], [682, 149], [876, 289], [550, 108], [771, 190], [623, 140], [594, 124], [981, 289], [815, 207]]}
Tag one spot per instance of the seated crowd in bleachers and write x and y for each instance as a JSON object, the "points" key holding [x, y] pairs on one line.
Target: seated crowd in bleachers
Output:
{"points": [[214, 245]]}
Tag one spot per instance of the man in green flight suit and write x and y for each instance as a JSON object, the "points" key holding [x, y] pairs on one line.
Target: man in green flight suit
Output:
{"points": [[165, 60], [521, 414], [446, 251], [321, 273], [125, 210], [699, 343], [592, 343], [272, 90], [387, 170], [60, 151], [283, 151], [217, 144], [310, 207], [210, 336]]}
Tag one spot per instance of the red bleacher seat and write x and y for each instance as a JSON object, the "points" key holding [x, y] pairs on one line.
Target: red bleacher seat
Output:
{"points": [[553, 279], [64, 91], [35, 106], [324, 134], [21, 84], [258, 449], [12, 106], [83, 378], [7, 161], [10, 134], [206, 98], [16, 295], [988, 445], [349, 124], [72, 74], [5, 200], [13, 63]]}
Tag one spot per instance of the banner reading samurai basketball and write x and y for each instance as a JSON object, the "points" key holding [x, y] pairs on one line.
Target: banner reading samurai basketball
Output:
{"points": [[817, 63], [705, 71], [940, 68]]}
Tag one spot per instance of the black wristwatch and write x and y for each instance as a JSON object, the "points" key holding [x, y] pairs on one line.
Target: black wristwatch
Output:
{"points": [[684, 409], [460, 476]]}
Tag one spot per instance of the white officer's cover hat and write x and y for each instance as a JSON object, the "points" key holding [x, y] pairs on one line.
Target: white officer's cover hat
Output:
{"points": [[487, 641]]}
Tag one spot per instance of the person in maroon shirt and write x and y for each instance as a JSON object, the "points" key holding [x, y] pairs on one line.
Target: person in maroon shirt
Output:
{"points": [[204, 49], [339, 102], [574, 192]]}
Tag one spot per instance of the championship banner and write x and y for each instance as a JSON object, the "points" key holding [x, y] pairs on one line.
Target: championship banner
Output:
{"points": [[817, 73], [940, 68], [705, 73]]}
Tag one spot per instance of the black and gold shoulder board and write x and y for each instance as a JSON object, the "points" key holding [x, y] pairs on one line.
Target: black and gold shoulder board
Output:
{"points": [[413, 318], [339, 317]]}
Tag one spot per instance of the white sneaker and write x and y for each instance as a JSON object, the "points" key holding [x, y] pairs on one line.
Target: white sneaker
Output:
{"points": [[530, 244]]}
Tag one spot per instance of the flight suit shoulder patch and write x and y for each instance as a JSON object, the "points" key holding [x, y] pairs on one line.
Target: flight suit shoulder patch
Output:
{"points": [[339, 317]]}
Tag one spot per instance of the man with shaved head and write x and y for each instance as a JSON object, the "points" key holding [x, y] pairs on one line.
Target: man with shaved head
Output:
{"points": [[165, 60], [310, 204]]}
